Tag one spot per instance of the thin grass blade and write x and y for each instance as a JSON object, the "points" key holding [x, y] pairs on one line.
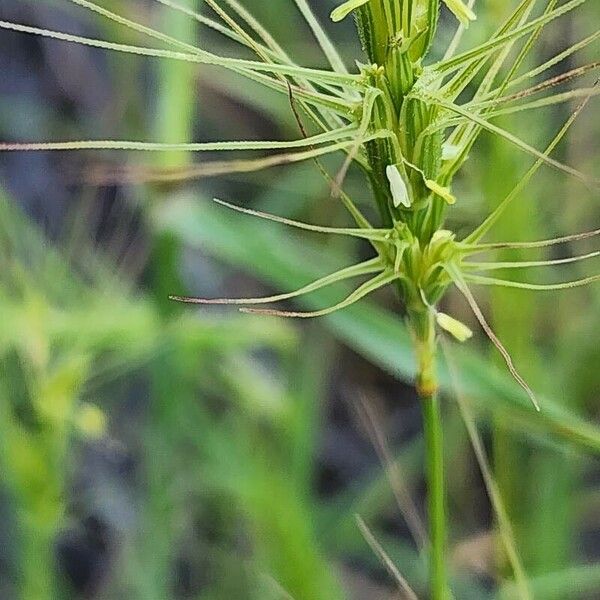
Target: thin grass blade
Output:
{"points": [[364, 290], [365, 268]]}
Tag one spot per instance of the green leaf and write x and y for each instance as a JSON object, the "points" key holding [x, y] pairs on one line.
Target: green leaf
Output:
{"points": [[379, 281], [380, 235], [365, 268], [532, 286], [522, 264], [513, 139], [316, 140], [140, 174], [202, 57], [485, 49], [326, 44], [566, 583], [575, 237]]}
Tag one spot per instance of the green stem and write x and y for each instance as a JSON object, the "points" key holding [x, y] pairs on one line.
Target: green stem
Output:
{"points": [[435, 496], [423, 326]]}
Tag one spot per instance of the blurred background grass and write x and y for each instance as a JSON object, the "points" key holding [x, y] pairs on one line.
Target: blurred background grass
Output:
{"points": [[150, 451]]}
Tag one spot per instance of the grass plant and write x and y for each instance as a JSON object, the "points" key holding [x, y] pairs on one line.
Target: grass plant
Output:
{"points": [[63, 351], [408, 119]]}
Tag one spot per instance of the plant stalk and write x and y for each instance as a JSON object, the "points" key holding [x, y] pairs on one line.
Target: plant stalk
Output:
{"points": [[436, 496], [425, 339]]}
